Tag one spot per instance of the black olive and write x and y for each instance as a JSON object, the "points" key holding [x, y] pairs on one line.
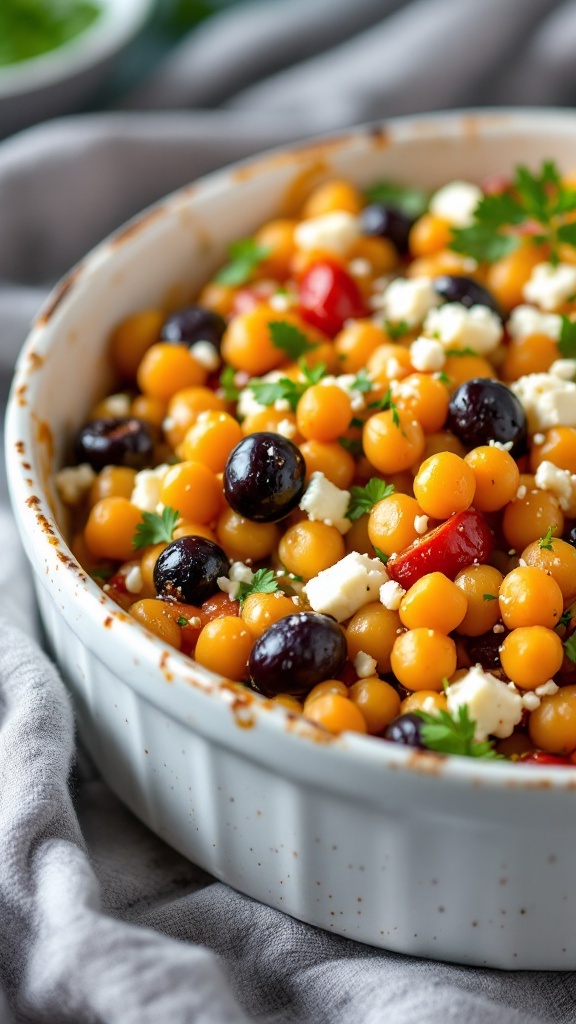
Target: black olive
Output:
{"points": [[264, 477], [297, 652], [188, 569], [482, 410], [466, 291], [119, 441], [387, 222], [406, 729], [195, 323]]}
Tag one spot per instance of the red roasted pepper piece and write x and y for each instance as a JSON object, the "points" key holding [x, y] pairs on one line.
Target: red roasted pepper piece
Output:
{"points": [[460, 541], [538, 757], [329, 296]]}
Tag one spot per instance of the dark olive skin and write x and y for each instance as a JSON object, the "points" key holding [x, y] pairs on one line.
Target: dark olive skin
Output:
{"points": [[406, 729], [188, 569], [466, 291], [481, 410], [195, 323], [387, 222], [297, 652], [264, 477], [485, 650], [116, 441]]}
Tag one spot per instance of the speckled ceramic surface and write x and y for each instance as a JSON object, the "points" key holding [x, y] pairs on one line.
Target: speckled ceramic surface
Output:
{"points": [[445, 858]]}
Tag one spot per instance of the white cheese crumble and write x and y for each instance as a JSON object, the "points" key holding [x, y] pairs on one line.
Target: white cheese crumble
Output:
{"points": [[559, 482], [118, 405], [247, 402], [427, 354], [281, 301], [493, 706], [420, 524], [206, 354], [240, 573], [548, 401], [335, 232], [456, 202], [364, 665], [147, 488], [548, 689], [539, 439], [360, 267], [227, 586], [498, 628], [133, 580], [325, 502], [550, 286], [564, 368], [503, 446], [526, 320], [530, 700], [409, 300], [347, 586], [521, 492], [391, 594], [346, 381], [195, 621], [287, 428], [459, 327], [73, 482]]}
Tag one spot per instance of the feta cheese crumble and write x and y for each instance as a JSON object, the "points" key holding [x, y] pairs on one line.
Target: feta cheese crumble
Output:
{"points": [[240, 573], [564, 368], [133, 580], [325, 502], [457, 326], [73, 482], [391, 594], [420, 524], [427, 354], [455, 203], [493, 706], [560, 482], [548, 401], [364, 665], [147, 488], [550, 286], [409, 300], [206, 354], [526, 320], [335, 232], [347, 586]]}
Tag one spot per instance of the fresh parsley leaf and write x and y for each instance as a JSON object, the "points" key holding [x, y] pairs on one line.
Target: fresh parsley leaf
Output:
{"points": [[443, 377], [312, 374], [570, 647], [263, 582], [181, 620], [245, 255], [356, 422], [538, 199], [351, 445], [362, 382], [102, 574], [410, 200], [228, 384], [566, 618], [567, 339], [290, 339], [267, 392], [382, 555], [460, 352], [396, 330], [450, 734], [489, 597], [546, 540], [385, 403], [363, 498], [154, 528]]}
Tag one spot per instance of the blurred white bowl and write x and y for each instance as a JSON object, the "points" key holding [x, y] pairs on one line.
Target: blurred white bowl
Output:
{"points": [[446, 858], [62, 80]]}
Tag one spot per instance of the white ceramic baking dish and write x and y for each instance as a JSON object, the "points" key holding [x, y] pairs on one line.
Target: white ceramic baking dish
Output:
{"points": [[445, 858]]}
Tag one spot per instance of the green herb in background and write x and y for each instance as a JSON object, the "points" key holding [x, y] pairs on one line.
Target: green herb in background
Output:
{"points": [[29, 28], [410, 200], [449, 734]]}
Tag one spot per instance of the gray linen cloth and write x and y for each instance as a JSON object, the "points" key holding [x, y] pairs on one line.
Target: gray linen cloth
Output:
{"points": [[99, 920]]}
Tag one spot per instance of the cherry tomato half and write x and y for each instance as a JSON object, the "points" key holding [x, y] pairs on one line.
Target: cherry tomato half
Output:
{"points": [[329, 296]]}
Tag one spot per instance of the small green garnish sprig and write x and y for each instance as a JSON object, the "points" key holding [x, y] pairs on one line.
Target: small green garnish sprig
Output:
{"points": [[396, 330], [570, 647], [567, 339], [545, 542], [454, 734], [489, 597], [155, 529], [263, 582], [538, 200], [289, 339], [362, 499], [409, 199], [245, 256], [268, 392], [385, 403], [228, 384]]}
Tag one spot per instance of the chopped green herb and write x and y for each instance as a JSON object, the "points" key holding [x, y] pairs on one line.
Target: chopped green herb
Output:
{"points": [[268, 392], [566, 618], [540, 200], [29, 28], [228, 384], [489, 597], [356, 422], [546, 540], [443, 377], [396, 330], [245, 255], [154, 528], [385, 403], [102, 574], [567, 339], [351, 445], [264, 582], [570, 647], [289, 339], [450, 734], [382, 555], [460, 352], [363, 498], [362, 382], [409, 199], [181, 620]]}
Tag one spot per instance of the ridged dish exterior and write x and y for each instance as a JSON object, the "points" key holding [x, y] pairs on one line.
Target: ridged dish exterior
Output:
{"points": [[449, 859]]}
